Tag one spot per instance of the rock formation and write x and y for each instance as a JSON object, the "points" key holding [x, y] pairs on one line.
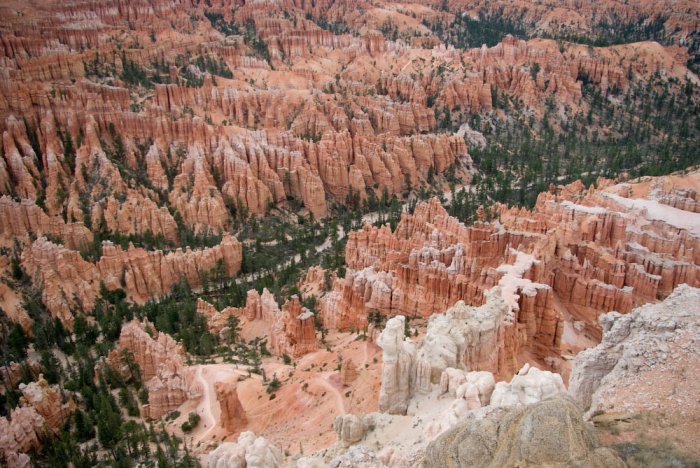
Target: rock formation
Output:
{"points": [[70, 283], [348, 372], [21, 433], [474, 387], [641, 359], [528, 386], [22, 219], [67, 281], [248, 452], [232, 415], [461, 351], [160, 361], [217, 321], [228, 143], [289, 330], [583, 251], [52, 404], [293, 332], [152, 274], [349, 428], [170, 123], [398, 364], [548, 433], [11, 304], [43, 410]]}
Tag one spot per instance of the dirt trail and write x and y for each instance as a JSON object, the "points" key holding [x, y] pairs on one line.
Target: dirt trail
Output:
{"points": [[207, 416], [208, 407], [340, 403]]}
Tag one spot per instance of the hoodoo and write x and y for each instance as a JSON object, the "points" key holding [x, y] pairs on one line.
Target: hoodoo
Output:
{"points": [[349, 233]]}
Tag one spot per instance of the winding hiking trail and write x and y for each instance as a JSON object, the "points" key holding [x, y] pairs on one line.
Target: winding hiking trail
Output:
{"points": [[208, 408], [205, 406], [340, 404]]}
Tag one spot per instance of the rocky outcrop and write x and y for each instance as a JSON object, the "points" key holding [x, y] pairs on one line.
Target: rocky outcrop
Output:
{"points": [[11, 304], [314, 283], [217, 321], [232, 416], [293, 332], [167, 391], [428, 264], [528, 386], [21, 433], [641, 359], [473, 338], [147, 274], [23, 219], [349, 428], [137, 216], [587, 250], [474, 387], [348, 372], [161, 364], [43, 410], [486, 338], [548, 433], [52, 404], [248, 452], [398, 364], [290, 330], [70, 283], [365, 120]]}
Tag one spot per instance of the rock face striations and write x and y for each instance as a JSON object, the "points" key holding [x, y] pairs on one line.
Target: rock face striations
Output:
{"points": [[642, 359], [548, 433], [23, 219], [579, 253], [188, 130], [290, 330], [137, 136], [70, 283], [221, 127], [43, 410], [232, 415], [161, 365]]}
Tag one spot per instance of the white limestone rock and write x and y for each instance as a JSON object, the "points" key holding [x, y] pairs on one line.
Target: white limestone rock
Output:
{"points": [[474, 387], [461, 337], [349, 428], [249, 451], [398, 361], [661, 338], [529, 385]]}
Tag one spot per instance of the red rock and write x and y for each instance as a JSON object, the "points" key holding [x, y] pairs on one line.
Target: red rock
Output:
{"points": [[232, 417], [67, 281], [591, 256], [161, 364], [52, 404], [348, 372], [22, 432], [293, 331], [42, 410]]}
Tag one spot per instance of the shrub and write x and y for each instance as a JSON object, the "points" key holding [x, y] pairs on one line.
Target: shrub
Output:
{"points": [[191, 423]]}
